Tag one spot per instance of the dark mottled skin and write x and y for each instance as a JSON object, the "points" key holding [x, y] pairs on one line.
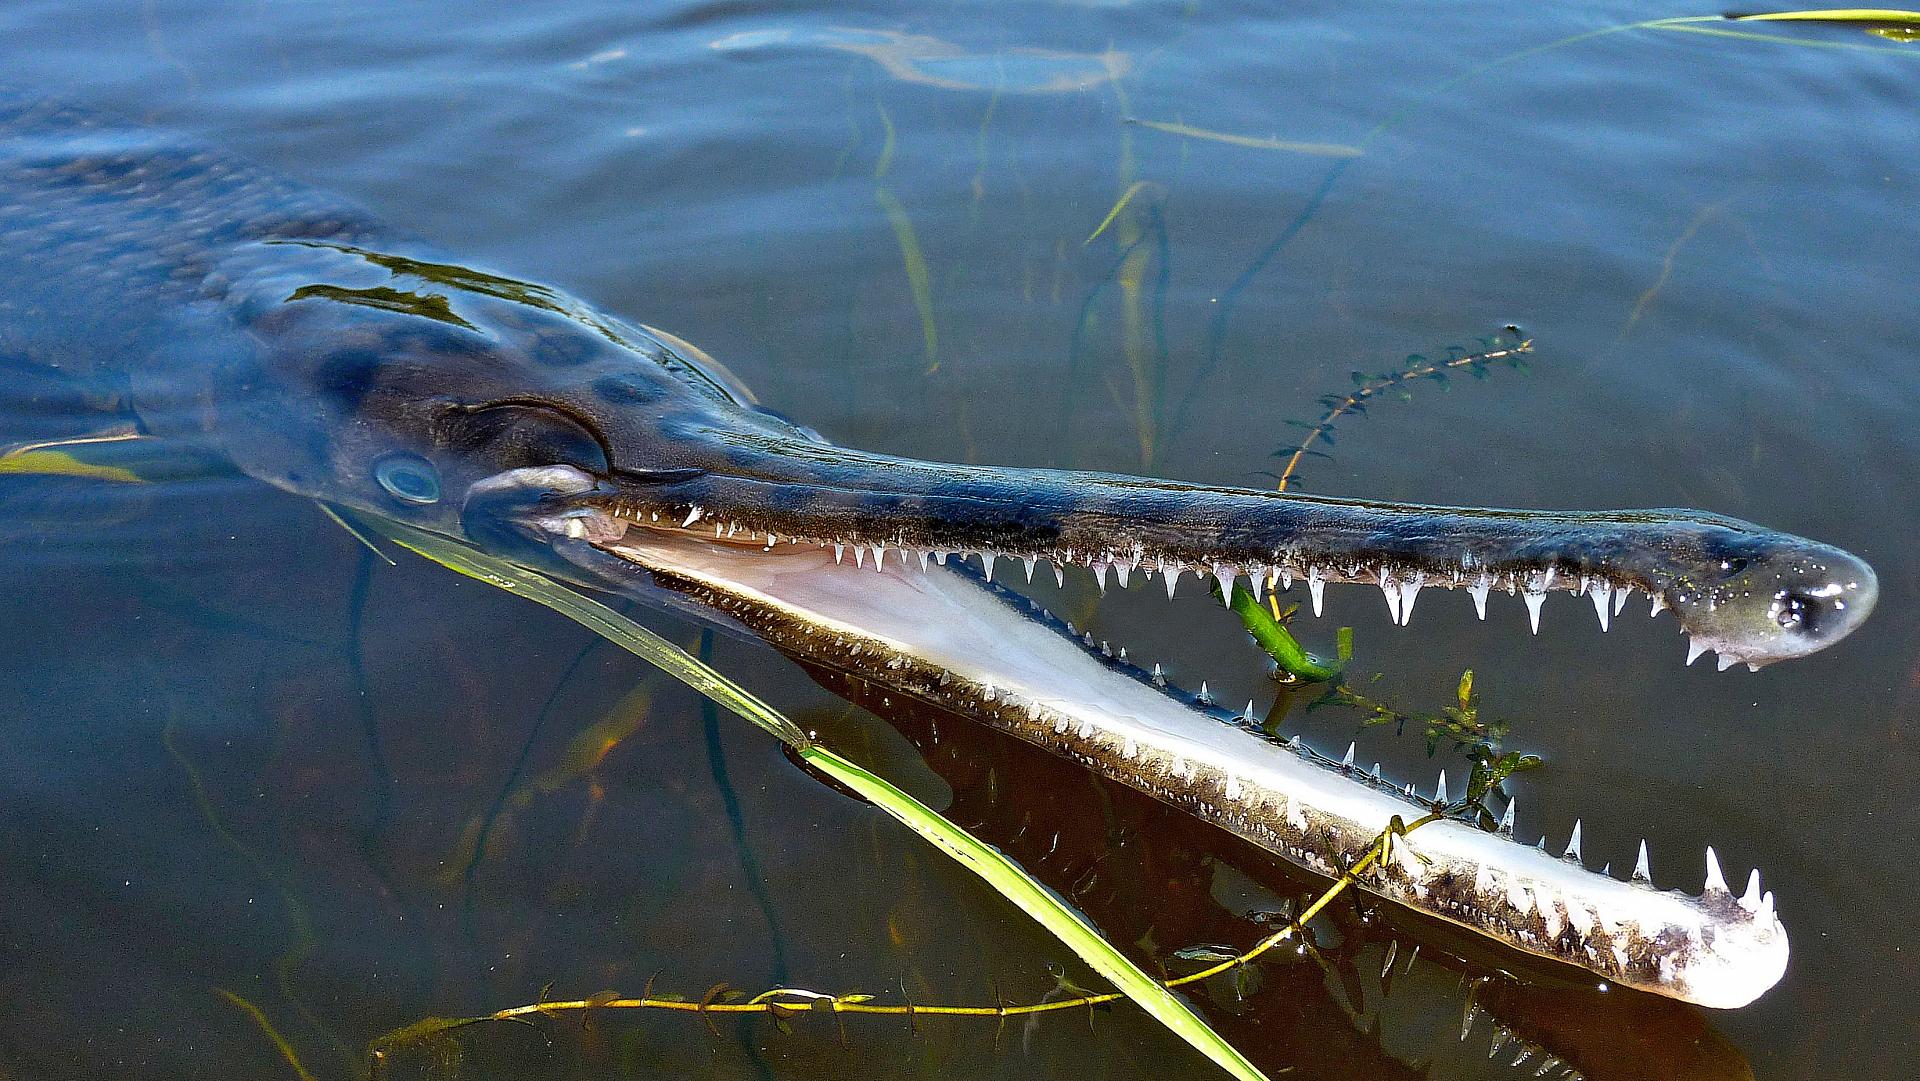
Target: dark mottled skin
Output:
{"points": [[311, 344]]}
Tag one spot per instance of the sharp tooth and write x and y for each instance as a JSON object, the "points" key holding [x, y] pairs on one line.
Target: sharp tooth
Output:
{"points": [[1750, 900], [1172, 575], [940, 558], [1573, 844], [1205, 697], [1408, 591], [924, 557], [1534, 599], [1499, 1040], [1694, 649], [719, 530], [1256, 580], [839, 553], [1224, 574], [1390, 589], [1347, 762], [1060, 575], [1546, 579], [1120, 573], [1479, 590], [692, 517], [1765, 914], [1316, 587], [1727, 660], [880, 555], [1506, 819], [859, 556], [1659, 603], [1440, 790], [1030, 561], [1159, 676], [1642, 871], [1286, 576], [1620, 598], [1247, 716], [986, 564], [1715, 883], [1602, 594], [1100, 574]]}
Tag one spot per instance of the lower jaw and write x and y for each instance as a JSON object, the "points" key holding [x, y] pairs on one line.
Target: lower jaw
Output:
{"points": [[944, 637]]}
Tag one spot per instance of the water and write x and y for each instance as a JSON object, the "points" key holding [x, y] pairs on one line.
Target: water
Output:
{"points": [[241, 753]]}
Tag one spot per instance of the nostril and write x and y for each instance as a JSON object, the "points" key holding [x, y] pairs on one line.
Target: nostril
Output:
{"points": [[1795, 612]]}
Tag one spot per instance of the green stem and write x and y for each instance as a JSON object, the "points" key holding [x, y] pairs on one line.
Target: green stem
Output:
{"points": [[1278, 642]]}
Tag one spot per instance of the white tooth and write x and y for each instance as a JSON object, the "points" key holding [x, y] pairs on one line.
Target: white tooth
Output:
{"points": [[1205, 697], [1602, 602], [692, 517], [880, 555], [718, 530], [1316, 587], [940, 558], [839, 553], [1642, 871], [1752, 667], [1172, 575], [1765, 913], [1247, 715], [986, 564], [1060, 575], [1715, 883], [1347, 762], [1479, 590], [1030, 561], [1159, 677], [1534, 599], [1573, 844], [1100, 573], [924, 557], [1546, 579], [1620, 598], [1506, 819], [1256, 581], [1694, 649], [1727, 660], [1750, 900], [1286, 576], [1391, 590], [1120, 573], [1224, 574], [859, 556], [1408, 591], [1440, 790]]}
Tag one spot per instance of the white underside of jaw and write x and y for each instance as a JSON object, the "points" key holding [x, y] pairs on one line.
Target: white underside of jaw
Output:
{"points": [[1722, 953]]}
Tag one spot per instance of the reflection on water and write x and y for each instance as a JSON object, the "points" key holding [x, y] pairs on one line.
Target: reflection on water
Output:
{"points": [[244, 756], [916, 58]]}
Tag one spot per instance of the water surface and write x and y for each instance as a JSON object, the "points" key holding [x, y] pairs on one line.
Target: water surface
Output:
{"points": [[242, 753]]}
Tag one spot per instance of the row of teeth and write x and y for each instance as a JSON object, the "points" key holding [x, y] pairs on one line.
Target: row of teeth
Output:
{"points": [[1400, 588], [1755, 901]]}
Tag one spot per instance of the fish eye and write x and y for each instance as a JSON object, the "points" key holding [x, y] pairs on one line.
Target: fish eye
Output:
{"points": [[408, 478], [1732, 566]]}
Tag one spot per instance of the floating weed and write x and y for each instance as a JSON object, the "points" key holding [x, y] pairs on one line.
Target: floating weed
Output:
{"points": [[1005, 876], [1325, 150], [919, 282], [1369, 388], [265, 1025]]}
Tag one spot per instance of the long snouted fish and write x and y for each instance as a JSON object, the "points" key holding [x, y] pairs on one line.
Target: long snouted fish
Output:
{"points": [[329, 355]]}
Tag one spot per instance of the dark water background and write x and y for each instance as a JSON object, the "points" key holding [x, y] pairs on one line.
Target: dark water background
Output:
{"points": [[238, 752]]}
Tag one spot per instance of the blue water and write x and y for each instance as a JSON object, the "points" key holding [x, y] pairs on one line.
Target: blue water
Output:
{"points": [[238, 752]]}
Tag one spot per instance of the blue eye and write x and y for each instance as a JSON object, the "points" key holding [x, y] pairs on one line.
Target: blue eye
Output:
{"points": [[408, 478]]}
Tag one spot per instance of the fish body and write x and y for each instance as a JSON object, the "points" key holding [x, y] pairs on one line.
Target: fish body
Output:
{"points": [[332, 356]]}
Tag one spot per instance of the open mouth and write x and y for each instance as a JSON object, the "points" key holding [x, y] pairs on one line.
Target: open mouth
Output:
{"points": [[924, 623]]}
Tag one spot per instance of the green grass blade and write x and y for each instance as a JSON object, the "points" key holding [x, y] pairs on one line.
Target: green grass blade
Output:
{"points": [[1000, 872], [1066, 924], [1253, 142], [1836, 15]]}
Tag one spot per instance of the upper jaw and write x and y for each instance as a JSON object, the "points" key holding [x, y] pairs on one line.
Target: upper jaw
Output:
{"points": [[1725, 580]]}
